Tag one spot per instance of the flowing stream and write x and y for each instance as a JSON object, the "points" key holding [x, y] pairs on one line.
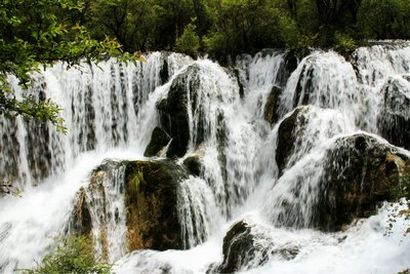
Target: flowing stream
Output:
{"points": [[110, 110]]}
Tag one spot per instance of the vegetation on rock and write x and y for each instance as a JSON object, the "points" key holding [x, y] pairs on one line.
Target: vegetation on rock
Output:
{"points": [[72, 255]]}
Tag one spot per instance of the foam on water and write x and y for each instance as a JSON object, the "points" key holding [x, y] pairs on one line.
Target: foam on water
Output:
{"points": [[110, 111]]}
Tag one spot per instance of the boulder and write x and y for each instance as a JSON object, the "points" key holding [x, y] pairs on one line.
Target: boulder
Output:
{"points": [[394, 117], [151, 202], [194, 165], [159, 139], [289, 129], [290, 63], [244, 249], [149, 189], [359, 172], [270, 112], [173, 110], [81, 214]]}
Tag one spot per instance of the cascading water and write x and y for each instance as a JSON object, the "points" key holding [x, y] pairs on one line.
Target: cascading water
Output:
{"points": [[251, 195]]}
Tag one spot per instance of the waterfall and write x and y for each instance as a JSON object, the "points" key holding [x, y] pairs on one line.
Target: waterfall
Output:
{"points": [[251, 158]]}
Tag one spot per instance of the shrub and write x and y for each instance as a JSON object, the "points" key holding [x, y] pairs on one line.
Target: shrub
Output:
{"points": [[72, 255], [188, 42]]}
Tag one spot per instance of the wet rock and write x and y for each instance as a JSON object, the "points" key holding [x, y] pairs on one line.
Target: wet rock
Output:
{"points": [[236, 73], [290, 63], [82, 217], [173, 111], [272, 103], [394, 117], [150, 201], [164, 72], [159, 139], [244, 249], [194, 165], [360, 171], [289, 129]]}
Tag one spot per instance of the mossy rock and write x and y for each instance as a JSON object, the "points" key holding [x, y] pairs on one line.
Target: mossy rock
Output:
{"points": [[150, 200], [81, 214], [394, 119], [159, 139], [360, 172]]}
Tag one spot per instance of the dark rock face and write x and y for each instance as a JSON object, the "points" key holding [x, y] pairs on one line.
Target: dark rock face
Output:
{"points": [[394, 119], [304, 89], [359, 173], [272, 103], [287, 136], [159, 139], [243, 249], [290, 63], [150, 200], [173, 111], [194, 165]]}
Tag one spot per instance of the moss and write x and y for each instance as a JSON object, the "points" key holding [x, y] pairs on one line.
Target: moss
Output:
{"points": [[359, 174], [151, 202], [136, 180]]}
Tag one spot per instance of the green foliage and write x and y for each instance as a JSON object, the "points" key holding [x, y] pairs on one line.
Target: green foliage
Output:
{"points": [[344, 43], [35, 32], [381, 19], [188, 42], [403, 188], [73, 255]]}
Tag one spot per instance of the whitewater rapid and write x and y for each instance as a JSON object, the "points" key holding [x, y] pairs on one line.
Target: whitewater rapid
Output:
{"points": [[110, 112]]}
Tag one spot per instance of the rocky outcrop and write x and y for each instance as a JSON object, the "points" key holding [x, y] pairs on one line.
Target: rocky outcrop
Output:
{"points": [[151, 203], [194, 165], [244, 249], [360, 171], [174, 117], [270, 112], [159, 139], [289, 129], [290, 63], [394, 117], [149, 190]]}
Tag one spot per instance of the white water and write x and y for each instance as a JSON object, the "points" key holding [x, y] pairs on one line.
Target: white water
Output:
{"points": [[110, 113]]}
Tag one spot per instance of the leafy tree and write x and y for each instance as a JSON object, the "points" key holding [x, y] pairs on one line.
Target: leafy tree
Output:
{"points": [[381, 19], [35, 32], [188, 42], [73, 255]]}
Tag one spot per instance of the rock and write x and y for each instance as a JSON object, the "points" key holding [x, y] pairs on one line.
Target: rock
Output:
{"points": [[173, 111], [149, 189], [270, 112], [289, 129], [290, 63], [164, 72], [151, 202], [236, 74], [159, 139], [82, 217], [359, 172], [394, 117], [244, 249], [194, 165]]}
